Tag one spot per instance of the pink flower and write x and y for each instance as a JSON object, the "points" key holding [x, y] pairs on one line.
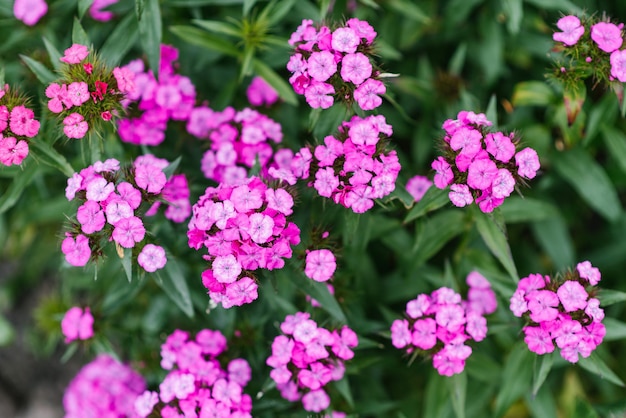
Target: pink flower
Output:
{"points": [[29, 11], [77, 325], [503, 184], [443, 173], [345, 40], [417, 308], [242, 291], [543, 305], [607, 36], [280, 200], [57, 95], [417, 186], [326, 182], [96, 10], [572, 295], [91, 217], [367, 95], [99, 189], [75, 54], [246, 199], [572, 30], [618, 65], [527, 163], [589, 272], [538, 340], [125, 79], [260, 227], [319, 95], [424, 333], [450, 316], [144, 403], [78, 93], [226, 268], [315, 401], [75, 126], [128, 232], [320, 265], [481, 174], [12, 151], [77, 251], [150, 178], [460, 195], [447, 365], [305, 331], [355, 68], [22, 122], [468, 140], [500, 146], [152, 258], [259, 92], [321, 65]]}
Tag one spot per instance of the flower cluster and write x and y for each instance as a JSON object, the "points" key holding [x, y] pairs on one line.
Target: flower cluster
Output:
{"points": [[155, 102], [307, 357], [197, 384], [479, 165], [103, 388], [260, 93], [439, 324], [110, 210], [561, 311], [335, 64], [352, 169], [88, 93], [77, 324], [244, 228], [238, 140], [593, 47], [17, 125]]}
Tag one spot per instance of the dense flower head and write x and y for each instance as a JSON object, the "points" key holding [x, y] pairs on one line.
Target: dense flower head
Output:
{"points": [[561, 311], [481, 166], [88, 93], [306, 357], [103, 388], [440, 324], [352, 169], [77, 324], [238, 141], [110, 198], [153, 102], [243, 227], [335, 64], [17, 126], [199, 381]]}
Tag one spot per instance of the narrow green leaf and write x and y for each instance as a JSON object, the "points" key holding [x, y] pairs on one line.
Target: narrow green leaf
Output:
{"points": [[596, 365], [284, 90], [457, 384], [602, 114], [120, 41], [514, 12], [542, 366], [53, 53], [343, 387], [247, 6], [42, 73], [409, 9], [563, 6], [455, 67], [246, 62], [590, 180], [584, 410], [219, 27], [279, 11], [206, 40], [615, 141], [495, 238], [127, 263], [492, 111], [20, 182], [553, 236], [516, 377], [79, 36], [615, 329], [434, 232], [83, 5], [319, 291], [517, 209], [172, 280], [609, 297], [7, 333], [197, 3], [436, 396], [532, 93], [169, 170], [45, 153], [150, 30], [324, 8], [433, 199]]}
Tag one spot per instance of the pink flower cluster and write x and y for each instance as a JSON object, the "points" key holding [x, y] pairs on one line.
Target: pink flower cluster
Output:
{"points": [[352, 169], [239, 139], [606, 36], [479, 165], [197, 384], [110, 209], [88, 93], [439, 324], [561, 311], [244, 228], [103, 388], [171, 97], [307, 357], [329, 64], [260, 93], [17, 125], [77, 324]]}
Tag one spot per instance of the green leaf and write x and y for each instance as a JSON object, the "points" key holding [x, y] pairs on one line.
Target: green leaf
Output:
{"points": [[172, 280], [127, 262], [455, 66], [434, 232], [584, 410], [602, 114], [615, 141], [408, 9], [596, 365], [433, 199], [42, 73], [79, 36], [553, 236], [150, 30], [219, 27], [533, 93], [609, 297], [319, 291], [590, 180], [279, 10], [7, 333], [284, 90], [516, 209], [542, 366], [492, 111], [343, 387], [516, 377], [206, 40], [53, 53], [83, 5], [198, 3], [615, 329], [563, 6], [120, 41], [494, 236], [169, 170], [457, 384], [247, 6], [45, 153], [20, 182], [514, 12], [246, 62]]}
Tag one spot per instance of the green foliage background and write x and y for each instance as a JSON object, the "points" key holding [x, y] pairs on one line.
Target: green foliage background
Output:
{"points": [[480, 55]]}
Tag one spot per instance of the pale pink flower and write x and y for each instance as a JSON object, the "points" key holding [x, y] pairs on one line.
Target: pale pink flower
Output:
{"points": [[77, 325], [538, 340], [572, 30], [503, 184], [260, 227], [500, 146], [355, 68], [443, 173], [321, 65], [315, 401], [226, 268], [75, 54], [125, 79], [481, 174], [527, 162], [460, 195], [12, 151], [618, 65], [319, 95], [78, 93], [77, 251], [589, 272], [152, 258], [128, 232], [345, 40], [29, 11], [75, 126], [607, 36], [320, 265], [572, 295], [417, 186], [367, 95], [91, 217], [326, 182]]}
